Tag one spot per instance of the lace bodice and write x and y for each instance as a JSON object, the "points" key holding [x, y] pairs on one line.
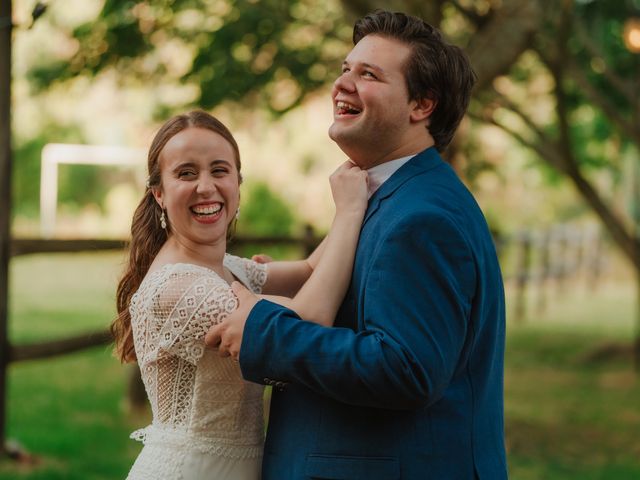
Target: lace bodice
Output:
{"points": [[198, 398]]}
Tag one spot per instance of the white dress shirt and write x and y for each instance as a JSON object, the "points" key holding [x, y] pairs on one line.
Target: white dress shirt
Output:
{"points": [[381, 173]]}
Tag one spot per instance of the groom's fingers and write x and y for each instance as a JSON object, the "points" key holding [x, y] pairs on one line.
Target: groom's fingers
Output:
{"points": [[213, 338], [246, 300], [262, 258], [227, 335], [214, 335], [240, 291]]}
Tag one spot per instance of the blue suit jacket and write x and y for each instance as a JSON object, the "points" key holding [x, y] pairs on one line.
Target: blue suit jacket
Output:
{"points": [[409, 382]]}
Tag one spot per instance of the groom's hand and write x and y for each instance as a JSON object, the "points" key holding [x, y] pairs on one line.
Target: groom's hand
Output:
{"points": [[227, 335]]}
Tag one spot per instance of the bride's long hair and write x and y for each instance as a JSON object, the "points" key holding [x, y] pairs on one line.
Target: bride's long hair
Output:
{"points": [[147, 235]]}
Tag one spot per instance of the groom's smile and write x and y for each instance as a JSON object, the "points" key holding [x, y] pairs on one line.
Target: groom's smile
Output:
{"points": [[345, 108]]}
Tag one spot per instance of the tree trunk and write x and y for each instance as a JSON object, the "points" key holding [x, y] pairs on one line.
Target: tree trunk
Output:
{"points": [[5, 200], [500, 41], [429, 11]]}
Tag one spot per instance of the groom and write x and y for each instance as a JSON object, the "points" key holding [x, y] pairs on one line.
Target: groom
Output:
{"points": [[408, 385]]}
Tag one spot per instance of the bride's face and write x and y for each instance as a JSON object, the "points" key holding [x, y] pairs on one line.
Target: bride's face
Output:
{"points": [[199, 188]]}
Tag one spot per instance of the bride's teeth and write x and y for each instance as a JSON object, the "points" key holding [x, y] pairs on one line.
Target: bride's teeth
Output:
{"points": [[208, 210]]}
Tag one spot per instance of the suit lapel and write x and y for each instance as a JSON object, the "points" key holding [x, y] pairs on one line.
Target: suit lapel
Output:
{"points": [[422, 162]]}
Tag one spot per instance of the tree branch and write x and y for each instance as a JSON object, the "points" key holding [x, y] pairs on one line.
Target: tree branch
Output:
{"points": [[471, 15], [430, 11], [550, 153], [509, 105], [627, 127], [561, 154], [546, 151]]}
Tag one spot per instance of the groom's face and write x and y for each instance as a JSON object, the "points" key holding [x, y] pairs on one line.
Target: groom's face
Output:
{"points": [[371, 108]]}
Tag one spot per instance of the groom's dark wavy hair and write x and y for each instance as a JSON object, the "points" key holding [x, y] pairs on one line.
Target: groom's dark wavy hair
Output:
{"points": [[147, 234], [435, 69]]}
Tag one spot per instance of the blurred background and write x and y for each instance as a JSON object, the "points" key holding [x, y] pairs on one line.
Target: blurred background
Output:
{"points": [[550, 148]]}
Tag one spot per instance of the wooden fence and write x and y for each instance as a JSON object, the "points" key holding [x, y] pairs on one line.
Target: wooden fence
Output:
{"points": [[306, 242], [531, 260], [540, 263]]}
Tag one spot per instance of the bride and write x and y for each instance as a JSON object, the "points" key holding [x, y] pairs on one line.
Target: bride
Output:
{"points": [[207, 421]]}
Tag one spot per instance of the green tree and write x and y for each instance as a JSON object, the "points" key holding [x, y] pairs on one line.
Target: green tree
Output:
{"points": [[270, 52], [273, 52], [264, 212], [593, 94]]}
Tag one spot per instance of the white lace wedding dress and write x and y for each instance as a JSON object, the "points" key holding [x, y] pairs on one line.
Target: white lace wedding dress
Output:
{"points": [[207, 421]]}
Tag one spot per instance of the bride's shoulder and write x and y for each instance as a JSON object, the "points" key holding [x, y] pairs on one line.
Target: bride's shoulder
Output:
{"points": [[252, 274], [173, 278]]}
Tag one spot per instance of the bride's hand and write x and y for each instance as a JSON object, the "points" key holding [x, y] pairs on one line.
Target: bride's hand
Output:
{"points": [[349, 188]]}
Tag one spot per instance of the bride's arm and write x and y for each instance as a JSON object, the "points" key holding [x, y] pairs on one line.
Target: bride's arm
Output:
{"points": [[285, 278], [319, 298]]}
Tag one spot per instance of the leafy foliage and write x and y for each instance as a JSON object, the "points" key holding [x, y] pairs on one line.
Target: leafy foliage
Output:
{"points": [[584, 117], [263, 212], [270, 52]]}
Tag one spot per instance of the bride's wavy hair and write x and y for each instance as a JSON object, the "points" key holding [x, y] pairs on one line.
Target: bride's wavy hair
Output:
{"points": [[147, 235]]}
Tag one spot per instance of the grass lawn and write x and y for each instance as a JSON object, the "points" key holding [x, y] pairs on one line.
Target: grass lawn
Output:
{"points": [[566, 418]]}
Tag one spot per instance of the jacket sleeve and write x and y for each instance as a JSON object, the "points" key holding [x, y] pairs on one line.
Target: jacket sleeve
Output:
{"points": [[414, 313]]}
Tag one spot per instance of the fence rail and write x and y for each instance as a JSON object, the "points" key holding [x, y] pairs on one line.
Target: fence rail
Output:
{"points": [[535, 258], [26, 246], [53, 348], [529, 259]]}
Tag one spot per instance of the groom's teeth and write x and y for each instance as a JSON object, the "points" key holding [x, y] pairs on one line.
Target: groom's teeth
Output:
{"points": [[344, 107]]}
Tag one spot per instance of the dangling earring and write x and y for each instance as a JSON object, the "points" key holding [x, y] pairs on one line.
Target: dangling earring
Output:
{"points": [[238, 213], [163, 220]]}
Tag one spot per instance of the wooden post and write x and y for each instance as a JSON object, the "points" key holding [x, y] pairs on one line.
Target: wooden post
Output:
{"points": [[523, 274], [545, 272], [561, 259], [309, 240], [594, 260], [636, 343], [5, 202], [136, 394]]}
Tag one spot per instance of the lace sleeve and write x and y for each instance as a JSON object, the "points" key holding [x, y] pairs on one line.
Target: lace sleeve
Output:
{"points": [[186, 306], [252, 274]]}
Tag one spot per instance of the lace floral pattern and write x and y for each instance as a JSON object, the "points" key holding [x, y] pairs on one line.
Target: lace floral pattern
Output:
{"points": [[199, 400]]}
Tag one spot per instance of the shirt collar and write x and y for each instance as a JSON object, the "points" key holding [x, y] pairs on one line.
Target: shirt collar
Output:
{"points": [[381, 173]]}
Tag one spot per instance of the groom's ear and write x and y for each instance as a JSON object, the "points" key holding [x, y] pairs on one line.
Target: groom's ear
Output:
{"points": [[422, 109]]}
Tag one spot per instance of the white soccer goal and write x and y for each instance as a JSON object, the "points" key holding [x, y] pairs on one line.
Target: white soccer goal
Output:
{"points": [[53, 154]]}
